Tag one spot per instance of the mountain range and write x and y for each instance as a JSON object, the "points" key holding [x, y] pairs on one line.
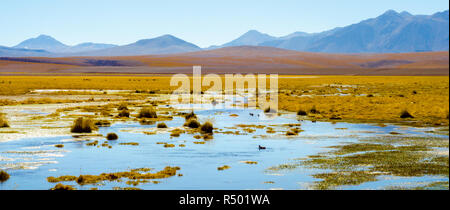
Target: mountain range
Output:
{"points": [[391, 32]]}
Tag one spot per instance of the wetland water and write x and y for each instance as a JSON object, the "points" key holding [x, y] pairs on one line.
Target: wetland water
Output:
{"points": [[30, 161]]}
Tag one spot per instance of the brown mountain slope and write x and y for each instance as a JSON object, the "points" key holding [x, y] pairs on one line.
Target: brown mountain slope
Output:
{"points": [[244, 59]]}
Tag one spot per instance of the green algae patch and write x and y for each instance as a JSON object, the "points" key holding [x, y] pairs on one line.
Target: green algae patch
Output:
{"points": [[130, 144], [430, 186], [356, 163], [283, 167], [249, 162], [132, 175], [126, 188], [332, 180]]}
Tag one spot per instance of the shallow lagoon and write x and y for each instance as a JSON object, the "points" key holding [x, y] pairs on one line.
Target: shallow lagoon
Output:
{"points": [[30, 161]]}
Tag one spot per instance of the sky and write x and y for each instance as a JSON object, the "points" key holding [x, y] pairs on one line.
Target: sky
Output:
{"points": [[202, 22]]}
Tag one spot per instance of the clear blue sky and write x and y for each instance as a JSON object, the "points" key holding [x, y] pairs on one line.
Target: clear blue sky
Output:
{"points": [[202, 22]]}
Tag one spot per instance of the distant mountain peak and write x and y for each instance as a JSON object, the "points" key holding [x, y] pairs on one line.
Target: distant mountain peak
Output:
{"points": [[390, 12], [252, 38], [44, 36], [42, 42], [405, 14], [165, 40]]}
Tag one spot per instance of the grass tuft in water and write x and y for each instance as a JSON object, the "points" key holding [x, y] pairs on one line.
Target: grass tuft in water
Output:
{"points": [[225, 167], [302, 112], [3, 122], [207, 127], [61, 187], [147, 113], [4, 176], [192, 123], [161, 125], [124, 113], [112, 136], [83, 125], [191, 115]]}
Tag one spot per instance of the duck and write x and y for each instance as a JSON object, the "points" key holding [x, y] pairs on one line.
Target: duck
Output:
{"points": [[261, 147]]}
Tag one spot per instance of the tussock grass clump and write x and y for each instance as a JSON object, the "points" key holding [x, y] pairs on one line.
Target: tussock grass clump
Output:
{"points": [[3, 122], [112, 136], [105, 113], [176, 133], [161, 125], [169, 145], [83, 125], [207, 137], [207, 127], [192, 123], [61, 187], [314, 110], [269, 110], [301, 112], [102, 123], [293, 132], [147, 113], [94, 143], [124, 113], [191, 115], [122, 106], [225, 167], [405, 114], [3, 176]]}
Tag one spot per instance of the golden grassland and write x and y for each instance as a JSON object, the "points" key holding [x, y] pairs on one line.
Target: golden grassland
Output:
{"points": [[348, 98]]}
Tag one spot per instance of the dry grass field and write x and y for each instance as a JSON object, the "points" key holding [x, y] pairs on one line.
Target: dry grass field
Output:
{"points": [[349, 98]]}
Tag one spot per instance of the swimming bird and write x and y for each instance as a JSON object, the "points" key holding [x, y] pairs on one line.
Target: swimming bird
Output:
{"points": [[261, 147]]}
